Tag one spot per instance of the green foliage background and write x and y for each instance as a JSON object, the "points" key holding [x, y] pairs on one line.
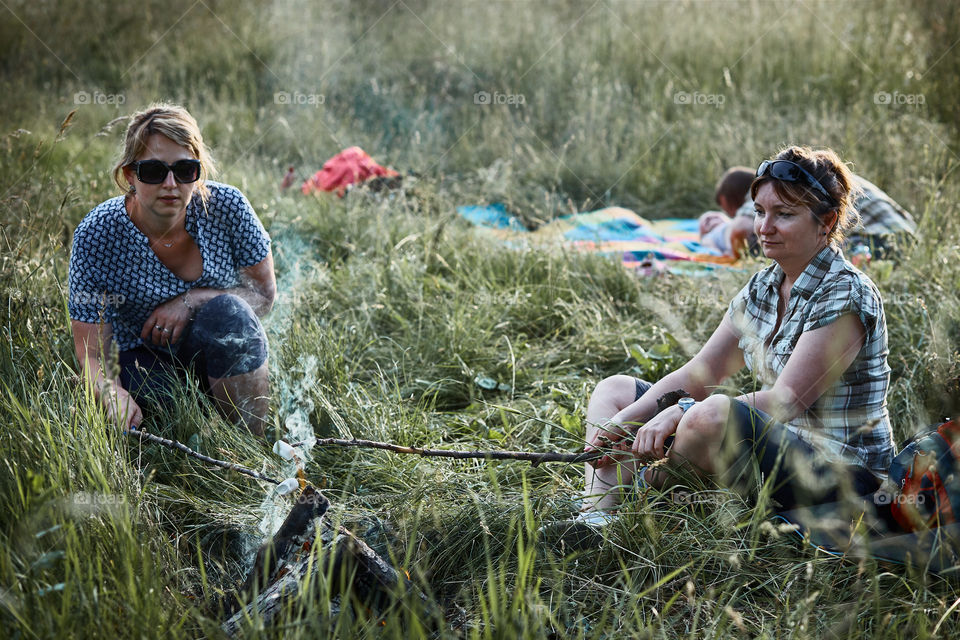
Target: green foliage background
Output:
{"points": [[390, 308]]}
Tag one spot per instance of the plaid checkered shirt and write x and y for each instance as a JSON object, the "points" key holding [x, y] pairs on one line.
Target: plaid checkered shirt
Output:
{"points": [[879, 214], [828, 288]]}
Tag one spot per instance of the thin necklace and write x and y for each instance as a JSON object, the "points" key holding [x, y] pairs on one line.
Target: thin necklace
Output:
{"points": [[165, 244]]}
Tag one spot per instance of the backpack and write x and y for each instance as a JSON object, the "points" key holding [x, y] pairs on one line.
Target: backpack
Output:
{"points": [[928, 475]]}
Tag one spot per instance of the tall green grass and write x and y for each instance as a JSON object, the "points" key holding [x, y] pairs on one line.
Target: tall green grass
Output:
{"points": [[390, 307]]}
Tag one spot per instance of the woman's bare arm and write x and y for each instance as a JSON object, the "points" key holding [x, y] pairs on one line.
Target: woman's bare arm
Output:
{"points": [[91, 341], [258, 287], [717, 360], [818, 360]]}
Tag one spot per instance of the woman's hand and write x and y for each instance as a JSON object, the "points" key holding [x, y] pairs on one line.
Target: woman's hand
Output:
{"points": [[122, 409], [167, 322], [711, 220], [651, 438], [612, 434]]}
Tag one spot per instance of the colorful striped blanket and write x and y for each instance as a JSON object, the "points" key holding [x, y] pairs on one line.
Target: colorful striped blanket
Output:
{"points": [[650, 246]]}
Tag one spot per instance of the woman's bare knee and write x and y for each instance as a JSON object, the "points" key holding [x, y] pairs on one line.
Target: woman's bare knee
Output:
{"points": [[705, 422], [618, 391]]}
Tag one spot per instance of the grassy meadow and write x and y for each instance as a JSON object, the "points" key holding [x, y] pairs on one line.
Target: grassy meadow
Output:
{"points": [[391, 307]]}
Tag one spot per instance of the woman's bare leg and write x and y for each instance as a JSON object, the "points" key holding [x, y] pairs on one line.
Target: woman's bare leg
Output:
{"points": [[611, 395], [697, 443], [245, 398]]}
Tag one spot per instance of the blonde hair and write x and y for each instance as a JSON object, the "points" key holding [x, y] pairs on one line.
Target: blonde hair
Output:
{"points": [[173, 122], [832, 174]]}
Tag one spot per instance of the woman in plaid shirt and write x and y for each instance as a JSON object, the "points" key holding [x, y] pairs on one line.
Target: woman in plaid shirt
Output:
{"points": [[811, 329]]}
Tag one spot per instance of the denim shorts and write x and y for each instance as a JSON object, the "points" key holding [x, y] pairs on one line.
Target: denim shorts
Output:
{"points": [[758, 448], [224, 339]]}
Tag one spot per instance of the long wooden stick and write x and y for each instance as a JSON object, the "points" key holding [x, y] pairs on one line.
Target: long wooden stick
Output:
{"points": [[533, 458], [173, 444]]}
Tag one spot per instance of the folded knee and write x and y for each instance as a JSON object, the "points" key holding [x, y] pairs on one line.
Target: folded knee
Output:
{"points": [[223, 310], [706, 419], [228, 333], [619, 389]]}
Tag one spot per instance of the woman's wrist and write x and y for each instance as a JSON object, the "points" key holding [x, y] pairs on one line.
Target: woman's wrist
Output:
{"points": [[106, 389], [186, 303], [609, 428]]}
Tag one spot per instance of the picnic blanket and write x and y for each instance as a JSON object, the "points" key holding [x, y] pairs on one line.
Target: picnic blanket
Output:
{"points": [[674, 243]]}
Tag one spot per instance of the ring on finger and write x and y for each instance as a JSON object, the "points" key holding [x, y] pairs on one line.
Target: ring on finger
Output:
{"points": [[158, 327], [167, 331]]}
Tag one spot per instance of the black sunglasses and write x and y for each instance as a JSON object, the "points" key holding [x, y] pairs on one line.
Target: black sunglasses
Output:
{"points": [[792, 172], [155, 171]]}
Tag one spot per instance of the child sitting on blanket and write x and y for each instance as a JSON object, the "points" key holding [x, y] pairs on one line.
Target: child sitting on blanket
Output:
{"points": [[731, 230]]}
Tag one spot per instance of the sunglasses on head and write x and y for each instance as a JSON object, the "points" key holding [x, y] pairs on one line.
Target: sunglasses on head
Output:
{"points": [[155, 171], [792, 172]]}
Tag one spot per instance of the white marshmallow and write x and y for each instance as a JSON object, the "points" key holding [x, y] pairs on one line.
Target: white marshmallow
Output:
{"points": [[287, 486], [283, 450]]}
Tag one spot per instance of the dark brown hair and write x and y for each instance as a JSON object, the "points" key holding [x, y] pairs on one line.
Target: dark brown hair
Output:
{"points": [[734, 185]]}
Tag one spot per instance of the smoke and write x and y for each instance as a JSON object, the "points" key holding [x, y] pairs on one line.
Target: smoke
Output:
{"points": [[300, 273], [292, 386]]}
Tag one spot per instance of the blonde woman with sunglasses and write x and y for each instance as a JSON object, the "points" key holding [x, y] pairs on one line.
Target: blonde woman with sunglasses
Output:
{"points": [[170, 279]]}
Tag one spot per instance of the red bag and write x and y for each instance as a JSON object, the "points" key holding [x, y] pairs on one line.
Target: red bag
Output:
{"points": [[347, 167]]}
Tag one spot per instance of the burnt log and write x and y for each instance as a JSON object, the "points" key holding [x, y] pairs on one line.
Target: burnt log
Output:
{"points": [[293, 536], [309, 545]]}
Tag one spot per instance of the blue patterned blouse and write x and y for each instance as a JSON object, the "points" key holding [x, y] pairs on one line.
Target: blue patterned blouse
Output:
{"points": [[116, 277]]}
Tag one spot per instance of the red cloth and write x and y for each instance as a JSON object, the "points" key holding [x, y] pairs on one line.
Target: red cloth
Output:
{"points": [[347, 167], [288, 179]]}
